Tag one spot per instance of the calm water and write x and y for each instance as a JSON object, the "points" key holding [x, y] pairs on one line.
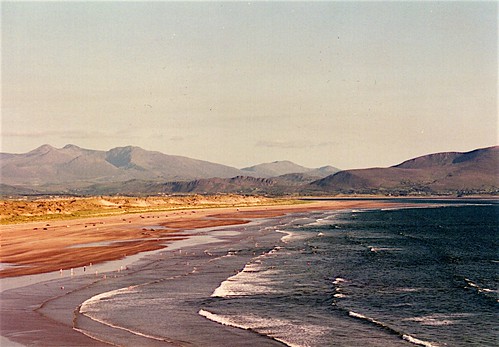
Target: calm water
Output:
{"points": [[414, 276]]}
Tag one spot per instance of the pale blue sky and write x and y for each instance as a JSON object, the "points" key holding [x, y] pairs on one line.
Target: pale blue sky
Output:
{"points": [[350, 84]]}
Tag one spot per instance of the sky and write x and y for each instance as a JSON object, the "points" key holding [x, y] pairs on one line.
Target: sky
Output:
{"points": [[348, 84]]}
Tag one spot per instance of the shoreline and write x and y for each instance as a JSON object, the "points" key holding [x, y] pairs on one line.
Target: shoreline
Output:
{"points": [[52, 304], [70, 244], [49, 307]]}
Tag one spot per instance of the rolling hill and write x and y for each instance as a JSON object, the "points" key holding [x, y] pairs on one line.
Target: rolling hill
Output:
{"points": [[462, 173], [237, 185]]}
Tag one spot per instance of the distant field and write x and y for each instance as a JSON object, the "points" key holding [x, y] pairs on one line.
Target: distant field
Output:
{"points": [[23, 211]]}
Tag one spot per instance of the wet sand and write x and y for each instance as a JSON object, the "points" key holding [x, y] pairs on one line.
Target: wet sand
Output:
{"points": [[47, 313], [40, 247]]}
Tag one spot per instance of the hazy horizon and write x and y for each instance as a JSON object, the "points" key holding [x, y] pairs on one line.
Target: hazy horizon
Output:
{"points": [[347, 84], [238, 167]]}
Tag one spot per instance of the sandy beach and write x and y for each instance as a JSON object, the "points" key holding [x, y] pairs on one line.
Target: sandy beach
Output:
{"points": [[193, 261]]}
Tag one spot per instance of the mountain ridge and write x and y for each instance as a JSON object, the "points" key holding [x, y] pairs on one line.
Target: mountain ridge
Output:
{"points": [[74, 166], [475, 170], [286, 167], [133, 170]]}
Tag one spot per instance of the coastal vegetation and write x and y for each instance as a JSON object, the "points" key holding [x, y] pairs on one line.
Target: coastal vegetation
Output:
{"points": [[13, 211]]}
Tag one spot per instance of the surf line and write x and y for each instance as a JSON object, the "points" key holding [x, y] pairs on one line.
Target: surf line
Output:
{"points": [[405, 337], [479, 289], [81, 331], [120, 328], [220, 319], [81, 310]]}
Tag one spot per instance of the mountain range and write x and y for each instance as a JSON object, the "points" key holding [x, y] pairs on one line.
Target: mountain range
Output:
{"points": [[71, 167], [49, 165], [135, 171]]}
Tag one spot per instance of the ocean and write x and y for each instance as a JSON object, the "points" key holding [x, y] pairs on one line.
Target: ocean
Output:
{"points": [[423, 275]]}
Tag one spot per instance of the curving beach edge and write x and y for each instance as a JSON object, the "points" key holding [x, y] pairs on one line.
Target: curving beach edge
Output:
{"points": [[190, 250]]}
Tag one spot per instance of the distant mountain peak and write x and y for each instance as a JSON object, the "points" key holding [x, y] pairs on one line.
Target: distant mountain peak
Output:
{"points": [[122, 149], [71, 146], [275, 168], [75, 166], [120, 157], [43, 149]]}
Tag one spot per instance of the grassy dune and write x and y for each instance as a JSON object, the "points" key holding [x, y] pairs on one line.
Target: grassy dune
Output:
{"points": [[23, 211]]}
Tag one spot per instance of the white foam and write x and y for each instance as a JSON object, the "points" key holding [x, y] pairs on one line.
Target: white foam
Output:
{"points": [[406, 337], [384, 249], [89, 307], [407, 290], [294, 236], [288, 237], [319, 222], [439, 319], [398, 208], [418, 341], [220, 319], [325, 220], [138, 333], [293, 334], [432, 320], [358, 315], [479, 288], [339, 280], [90, 304], [253, 279]]}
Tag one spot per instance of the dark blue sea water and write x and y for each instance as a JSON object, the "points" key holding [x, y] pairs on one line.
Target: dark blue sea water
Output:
{"points": [[397, 277], [420, 276]]}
